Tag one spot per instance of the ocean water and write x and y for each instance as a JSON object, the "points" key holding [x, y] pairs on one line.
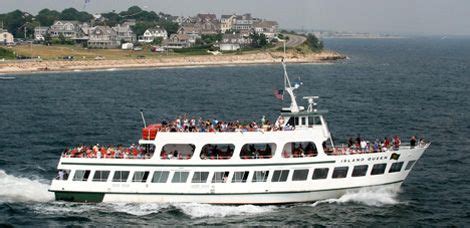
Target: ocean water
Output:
{"points": [[412, 86]]}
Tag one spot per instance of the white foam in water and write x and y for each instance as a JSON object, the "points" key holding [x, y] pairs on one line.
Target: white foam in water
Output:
{"points": [[196, 210], [370, 197], [19, 189], [138, 209]]}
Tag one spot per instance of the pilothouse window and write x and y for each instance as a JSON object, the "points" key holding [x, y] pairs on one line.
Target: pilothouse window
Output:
{"points": [[220, 177], [120, 176], [260, 176], [177, 151], [63, 174], [217, 151], [140, 176], [240, 177], [200, 177], [258, 151], [100, 176]]}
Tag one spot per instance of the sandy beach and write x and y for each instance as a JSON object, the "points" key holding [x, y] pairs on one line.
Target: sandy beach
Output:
{"points": [[18, 67]]}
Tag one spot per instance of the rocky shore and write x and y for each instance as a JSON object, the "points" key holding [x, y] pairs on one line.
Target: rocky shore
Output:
{"points": [[16, 67]]}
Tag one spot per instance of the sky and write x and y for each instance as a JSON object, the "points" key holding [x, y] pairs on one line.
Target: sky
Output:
{"points": [[401, 17]]}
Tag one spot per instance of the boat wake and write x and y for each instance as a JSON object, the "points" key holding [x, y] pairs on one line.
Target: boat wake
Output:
{"points": [[376, 197], [20, 189]]}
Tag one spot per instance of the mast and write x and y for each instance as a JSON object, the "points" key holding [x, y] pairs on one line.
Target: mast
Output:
{"points": [[294, 108]]}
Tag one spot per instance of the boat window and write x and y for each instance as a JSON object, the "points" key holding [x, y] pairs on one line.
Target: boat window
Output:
{"points": [[200, 177], [240, 177], [360, 170], [340, 172], [260, 176], [378, 169], [410, 164], [180, 177], [220, 177], [314, 120], [299, 150], [280, 176], [140, 176], [160, 176], [296, 121], [304, 121], [217, 151], [396, 167], [258, 151], [81, 175], [300, 175], [120, 176], [147, 150], [63, 174], [101, 176], [320, 173], [327, 147], [177, 151]]}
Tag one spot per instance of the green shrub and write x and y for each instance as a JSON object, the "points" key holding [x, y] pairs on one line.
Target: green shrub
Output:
{"points": [[6, 54]]}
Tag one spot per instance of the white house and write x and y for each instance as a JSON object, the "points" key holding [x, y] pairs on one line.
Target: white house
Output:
{"points": [[152, 33], [40, 33], [5, 37]]}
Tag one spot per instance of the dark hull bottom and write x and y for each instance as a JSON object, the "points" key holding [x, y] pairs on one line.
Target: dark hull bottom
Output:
{"points": [[80, 197]]}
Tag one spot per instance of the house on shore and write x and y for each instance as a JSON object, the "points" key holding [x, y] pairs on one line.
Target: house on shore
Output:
{"points": [[124, 31], [152, 33], [268, 28], [103, 37], [68, 29], [177, 41], [233, 42], [191, 30], [6, 37], [40, 33]]}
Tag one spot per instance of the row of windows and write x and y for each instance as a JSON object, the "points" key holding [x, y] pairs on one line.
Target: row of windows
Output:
{"points": [[248, 151], [238, 176]]}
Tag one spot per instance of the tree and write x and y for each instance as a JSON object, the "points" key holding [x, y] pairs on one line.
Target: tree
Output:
{"points": [[258, 40], [71, 14], [47, 17], [211, 39], [62, 38], [157, 41], [314, 43]]}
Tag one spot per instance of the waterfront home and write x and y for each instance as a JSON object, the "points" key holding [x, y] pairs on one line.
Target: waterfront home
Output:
{"points": [[208, 27], [68, 29], [191, 30], [40, 33], [244, 22], [6, 37], [152, 33], [268, 28], [177, 41], [233, 42], [206, 17], [103, 37], [226, 22], [124, 31]]}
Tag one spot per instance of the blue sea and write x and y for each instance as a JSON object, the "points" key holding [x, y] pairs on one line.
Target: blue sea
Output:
{"points": [[410, 86]]}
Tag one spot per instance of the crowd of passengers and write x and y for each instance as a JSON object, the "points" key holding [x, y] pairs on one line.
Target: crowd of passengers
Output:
{"points": [[117, 152], [361, 145], [185, 124]]}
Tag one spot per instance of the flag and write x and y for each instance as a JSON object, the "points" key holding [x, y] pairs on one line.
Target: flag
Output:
{"points": [[279, 94]]}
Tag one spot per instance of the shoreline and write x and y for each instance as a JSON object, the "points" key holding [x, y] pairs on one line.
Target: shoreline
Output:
{"points": [[261, 58]]}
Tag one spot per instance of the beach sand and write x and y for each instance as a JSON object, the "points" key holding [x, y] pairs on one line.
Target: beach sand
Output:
{"points": [[17, 67]]}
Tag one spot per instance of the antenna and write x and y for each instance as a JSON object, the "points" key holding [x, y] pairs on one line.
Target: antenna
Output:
{"points": [[312, 105], [290, 90], [143, 118]]}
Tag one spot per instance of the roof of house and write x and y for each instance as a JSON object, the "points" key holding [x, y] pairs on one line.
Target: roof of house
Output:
{"points": [[265, 24], [156, 30]]}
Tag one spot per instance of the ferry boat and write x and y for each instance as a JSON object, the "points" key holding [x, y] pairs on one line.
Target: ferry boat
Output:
{"points": [[292, 161]]}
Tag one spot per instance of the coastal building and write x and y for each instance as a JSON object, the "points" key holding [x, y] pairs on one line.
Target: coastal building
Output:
{"points": [[268, 28], [177, 41], [208, 27], [6, 37], [233, 42], [103, 37], [40, 33], [243, 22], [152, 33], [68, 29], [124, 31], [226, 22], [191, 30], [206, 17]]}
